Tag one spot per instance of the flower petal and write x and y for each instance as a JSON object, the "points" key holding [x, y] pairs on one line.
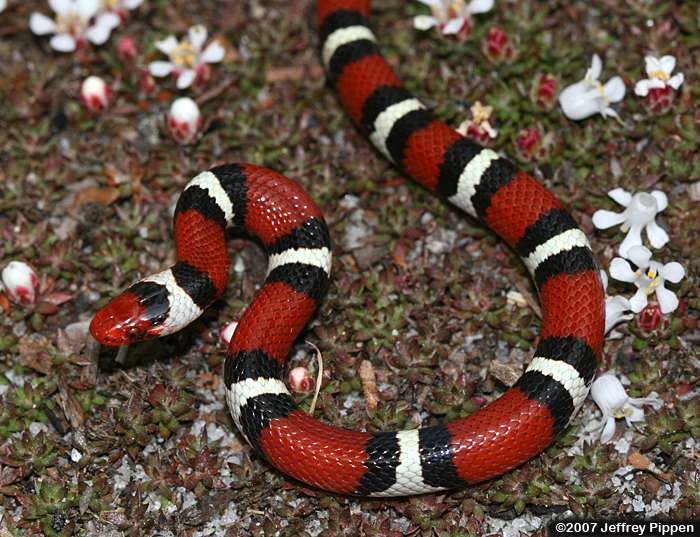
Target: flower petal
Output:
{"points": [[642, 87], [667, 64], [668, 301], [480, 6], [63, 43], [453, 26], [638, 301], [87, 8], [608, 430], [661, 200], [431, 2], [633, 413], [197, 35], [676, 80], [656, 234], [596, 68], [108, 19], [653, 400], [40, 24], [607, 111], [604, 279], [614, 308], [621, 270], [132, 4], [186, 78], [614, 89], [640, 256], [603, 219], [633, 238], [577, 102], [99, 33], [673, 272], [214, 53], [160, 68], [167, 45], [651, 64], [621, 196], [60, 6], [424, 22], [608, 393]]}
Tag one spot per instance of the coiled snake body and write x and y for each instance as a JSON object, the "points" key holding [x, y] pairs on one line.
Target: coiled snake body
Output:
{"points": [[498, 437]]}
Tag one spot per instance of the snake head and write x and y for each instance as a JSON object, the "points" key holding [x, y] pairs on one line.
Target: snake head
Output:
{"points": [[135, 315]]}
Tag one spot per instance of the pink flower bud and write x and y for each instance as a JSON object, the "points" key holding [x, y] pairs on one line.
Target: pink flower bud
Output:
{"points": [[126, 49], [299, 380], [544, 90], [20, 282], [528, 144], [659, 100], [226, 332], [146, 82], [95, 93], [498, 47], [184, 120]]}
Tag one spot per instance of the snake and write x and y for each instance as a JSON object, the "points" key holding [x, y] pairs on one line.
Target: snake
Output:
{"points": [[497, 437]]}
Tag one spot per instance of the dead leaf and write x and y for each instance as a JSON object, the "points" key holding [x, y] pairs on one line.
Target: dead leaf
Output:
{"points": [[284, 74], [95, 194], [70, 405], [506, 373], [636, 459], [369, 386], [34, 353]]}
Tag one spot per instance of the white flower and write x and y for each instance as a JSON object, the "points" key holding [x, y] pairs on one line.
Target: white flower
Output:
{"points": [[187, 59], [659, 73], [649, 278], [590, 96], [95, 93], [450, 16], [612, 399], [479, 125], [640, 211], [184, 120], [72, 25], [615, 306], [20, 282]]}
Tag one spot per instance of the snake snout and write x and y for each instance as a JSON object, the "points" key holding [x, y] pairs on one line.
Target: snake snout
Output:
{"points": [[133, 316]]}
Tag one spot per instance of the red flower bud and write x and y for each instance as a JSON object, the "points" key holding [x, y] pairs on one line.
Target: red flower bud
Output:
{"points": [[498, 47], [650, 317], [299, 380], [126, 49]]}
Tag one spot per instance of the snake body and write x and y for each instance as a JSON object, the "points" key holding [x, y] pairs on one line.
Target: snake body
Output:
{"points": [[528, 217]]}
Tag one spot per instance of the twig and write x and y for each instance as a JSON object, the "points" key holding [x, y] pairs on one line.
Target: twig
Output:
{"points": [[319, 377]]}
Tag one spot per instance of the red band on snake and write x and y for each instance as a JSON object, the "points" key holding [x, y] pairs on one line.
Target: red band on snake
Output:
{"points": [[528, 217]]}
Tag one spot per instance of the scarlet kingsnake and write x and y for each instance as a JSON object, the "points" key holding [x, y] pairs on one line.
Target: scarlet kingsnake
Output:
{"points": [[526, 215]]}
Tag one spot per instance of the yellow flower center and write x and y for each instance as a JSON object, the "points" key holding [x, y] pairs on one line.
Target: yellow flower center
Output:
{"points": [[110, 5], [71, 23], [601, 91], [653, 277], [481, 113], [625, 411], [454, 8], [184, 55], [660, 74]]}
